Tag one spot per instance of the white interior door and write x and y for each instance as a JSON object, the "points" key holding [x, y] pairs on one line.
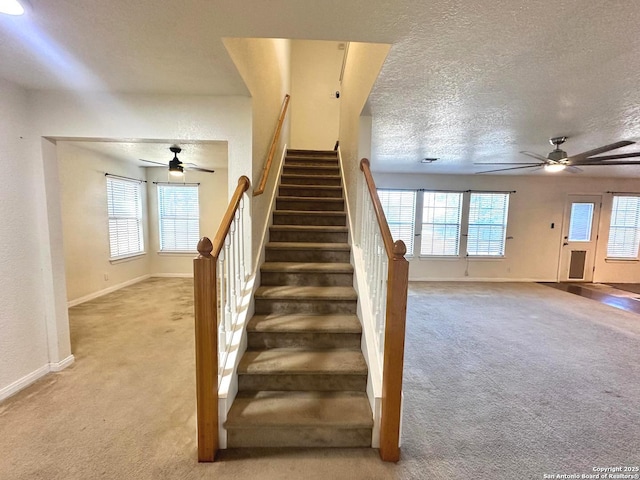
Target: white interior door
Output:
{"points": [[579, 238]]}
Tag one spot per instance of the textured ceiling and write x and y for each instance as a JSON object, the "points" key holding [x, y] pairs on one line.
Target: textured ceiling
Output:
{"points": [[465, 82]]}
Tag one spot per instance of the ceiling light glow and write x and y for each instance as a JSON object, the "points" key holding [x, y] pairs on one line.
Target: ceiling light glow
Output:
{"points": [[555, 167], [11, 7]]}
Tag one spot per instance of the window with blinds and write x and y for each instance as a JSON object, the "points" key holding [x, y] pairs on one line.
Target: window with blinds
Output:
{"points": [[400, 209], [441, 213], [124, 205], [487, 224], [624, 228], [580, 222], [179, 214]]}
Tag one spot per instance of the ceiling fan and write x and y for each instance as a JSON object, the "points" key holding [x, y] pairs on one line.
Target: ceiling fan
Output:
{"points": [[176, 166], [558, 160]]}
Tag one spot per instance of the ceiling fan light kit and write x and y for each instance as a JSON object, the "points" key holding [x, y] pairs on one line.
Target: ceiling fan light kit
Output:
{"points": [[558, 160], [176, 167]]}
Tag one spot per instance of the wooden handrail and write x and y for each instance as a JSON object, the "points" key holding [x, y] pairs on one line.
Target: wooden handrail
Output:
{"points": [[377, 208], [395, 321], [218, 241], [206, 328], [272, 150]]}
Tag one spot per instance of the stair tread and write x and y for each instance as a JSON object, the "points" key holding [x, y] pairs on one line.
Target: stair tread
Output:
{"points": [[301, 323], [313, 167], [291, 198], [306, 293], [312, 187], [296, 175], [294, 361], [318, 213], [318, 228], [308, 246], [307, 267], [299, 151], [300, 409]]}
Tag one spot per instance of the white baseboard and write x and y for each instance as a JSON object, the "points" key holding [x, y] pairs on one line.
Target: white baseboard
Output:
{"points": [[173, 275], [61, 365], [481, 279], [32, 377], [100, 293]]}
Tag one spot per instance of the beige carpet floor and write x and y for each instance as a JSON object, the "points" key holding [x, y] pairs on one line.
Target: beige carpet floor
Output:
{"points": [[502, 381]]}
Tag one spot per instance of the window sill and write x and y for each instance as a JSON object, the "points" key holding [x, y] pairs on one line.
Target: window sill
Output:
{"points": [[126, 258], [621, 260], [448, 258], [169, 253], [485, 258]]}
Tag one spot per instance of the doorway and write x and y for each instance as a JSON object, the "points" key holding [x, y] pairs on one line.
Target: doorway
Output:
{"points": [[579, 238]]}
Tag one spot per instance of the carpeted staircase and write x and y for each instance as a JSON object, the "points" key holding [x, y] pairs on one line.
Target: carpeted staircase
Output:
{"points": [[303, 377]]}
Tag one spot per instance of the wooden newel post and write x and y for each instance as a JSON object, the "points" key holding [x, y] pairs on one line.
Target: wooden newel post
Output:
{"points": [[397, 285], [206, 329]]}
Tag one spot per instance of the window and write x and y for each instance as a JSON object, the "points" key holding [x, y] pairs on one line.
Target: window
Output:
{"points": [[124, 206], [179, 214], [400, 209], [580, 222], [487, 224], [441, 212], [624, 228]]}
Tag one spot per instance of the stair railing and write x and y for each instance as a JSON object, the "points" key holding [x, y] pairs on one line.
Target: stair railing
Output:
{"points": [[387, 283], [219, 278], [272, 149]]}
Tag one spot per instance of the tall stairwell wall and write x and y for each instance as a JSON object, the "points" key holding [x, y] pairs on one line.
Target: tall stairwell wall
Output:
{"points": [[264, 65], [364, 62]]}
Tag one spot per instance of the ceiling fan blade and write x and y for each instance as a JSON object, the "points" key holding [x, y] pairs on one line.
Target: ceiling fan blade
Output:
{"points": [[573, 169], [506, 163], [629, 162], [608, 157], [151, 161], [599, 150], [505, 169], [201, 169], [536, 156]]}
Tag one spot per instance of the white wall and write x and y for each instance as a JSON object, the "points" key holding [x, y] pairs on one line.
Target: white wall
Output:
{"points": [[534, 251], [85, 222], [26, 351], [212, 198], [315, 76], [264, 65], [364, 62]]}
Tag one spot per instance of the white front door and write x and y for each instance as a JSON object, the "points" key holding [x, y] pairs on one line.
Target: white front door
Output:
{"points": [[579, 238]]}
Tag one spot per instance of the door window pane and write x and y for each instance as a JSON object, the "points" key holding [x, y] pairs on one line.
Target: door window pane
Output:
{"points": [[580, 222]]}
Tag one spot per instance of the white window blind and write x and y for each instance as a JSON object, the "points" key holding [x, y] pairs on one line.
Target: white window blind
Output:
{"points": [[624, 228], [580, 222], [487, 224], [400, 209], [179, 213], [441, 213], [124, 205]]}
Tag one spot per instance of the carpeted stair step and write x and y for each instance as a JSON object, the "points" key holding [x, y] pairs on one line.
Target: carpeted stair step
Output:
{"points": [[310, 191], [311, 170], [307, 233], [295, 179], [307, 274], [302, 160], [286, 369], [310, 203], [299, 419], [304, 331], [293, 299], [312, 153], [301, 217], [307, 252]]}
